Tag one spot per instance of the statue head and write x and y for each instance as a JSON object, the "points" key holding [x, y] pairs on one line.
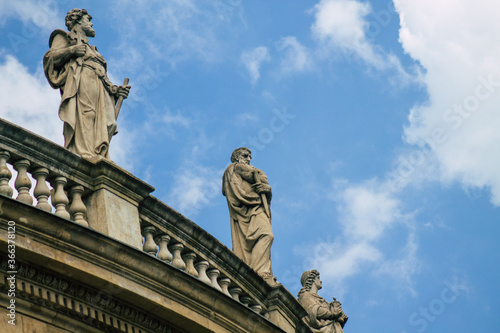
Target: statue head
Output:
{"points": [[82, 17], [241, 155], [308, 279]]}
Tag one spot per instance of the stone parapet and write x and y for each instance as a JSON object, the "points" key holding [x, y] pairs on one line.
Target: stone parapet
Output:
{"points": [[274, 302], [99, 225], [111, 195]]}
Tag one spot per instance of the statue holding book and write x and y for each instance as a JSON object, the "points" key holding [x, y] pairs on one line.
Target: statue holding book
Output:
{"points": [[322, 317]]}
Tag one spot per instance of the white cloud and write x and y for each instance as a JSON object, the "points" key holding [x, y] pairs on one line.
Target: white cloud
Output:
{"points": [[296, 58], [176, 118], [243, 119], [342, 26], [167, 123], [194, 187], [459, 123], [404, 268], [169, 31], [342, 23], [253, 60], [36, 15], [124, 145], [454, 134], [28, 101], [168, 118], [366, 212], [347, 262]]}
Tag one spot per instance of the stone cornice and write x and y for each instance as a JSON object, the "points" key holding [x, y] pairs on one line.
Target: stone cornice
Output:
{"points": [[106, 174]]}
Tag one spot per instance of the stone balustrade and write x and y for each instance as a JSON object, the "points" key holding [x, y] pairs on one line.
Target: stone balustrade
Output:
{"points": [[68, 186], [174, 250], [66, 196], [88, 192]]}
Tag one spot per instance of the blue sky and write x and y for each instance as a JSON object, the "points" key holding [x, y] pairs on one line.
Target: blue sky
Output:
{"points": [[375, 121]]}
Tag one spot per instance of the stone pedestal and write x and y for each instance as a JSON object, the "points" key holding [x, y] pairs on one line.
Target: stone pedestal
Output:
{"points": [[113, 204], [283, 310]]}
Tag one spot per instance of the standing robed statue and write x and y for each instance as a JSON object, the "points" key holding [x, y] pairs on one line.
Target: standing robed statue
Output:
{"points": [[248, 195], [90, 103]]}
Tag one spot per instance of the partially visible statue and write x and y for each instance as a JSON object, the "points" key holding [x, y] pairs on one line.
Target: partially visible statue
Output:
{"points": [[248, 197], [322, 317], [88, 98]]}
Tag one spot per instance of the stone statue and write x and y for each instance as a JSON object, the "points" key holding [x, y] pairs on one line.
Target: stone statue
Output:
{"points": [[322, 317], [88, 98], [248, 197]]}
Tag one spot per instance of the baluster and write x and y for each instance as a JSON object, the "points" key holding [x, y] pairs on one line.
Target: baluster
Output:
{"points": [[42, 191], [245, 300], [77, 208], [201, 267], [5, 175], [59, 198], [235, 293], [224, 285], [164, 254], [149, 242], [213, 274], [23, 183], [189, 259], [256, 307], [177, 261]]}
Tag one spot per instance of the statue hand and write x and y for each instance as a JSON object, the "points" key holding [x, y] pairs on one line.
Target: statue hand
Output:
{"points": [[337, 307], [123, 91], [79, 50], [261, 188]]}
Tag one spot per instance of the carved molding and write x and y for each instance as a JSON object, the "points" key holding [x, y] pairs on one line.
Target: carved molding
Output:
{"points": [[93, 307]]}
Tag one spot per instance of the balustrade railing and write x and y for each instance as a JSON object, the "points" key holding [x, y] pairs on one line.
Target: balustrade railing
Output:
{"points": [[167, 235], [66, 196], [177, 250], [62, 180], [91, 192]]}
